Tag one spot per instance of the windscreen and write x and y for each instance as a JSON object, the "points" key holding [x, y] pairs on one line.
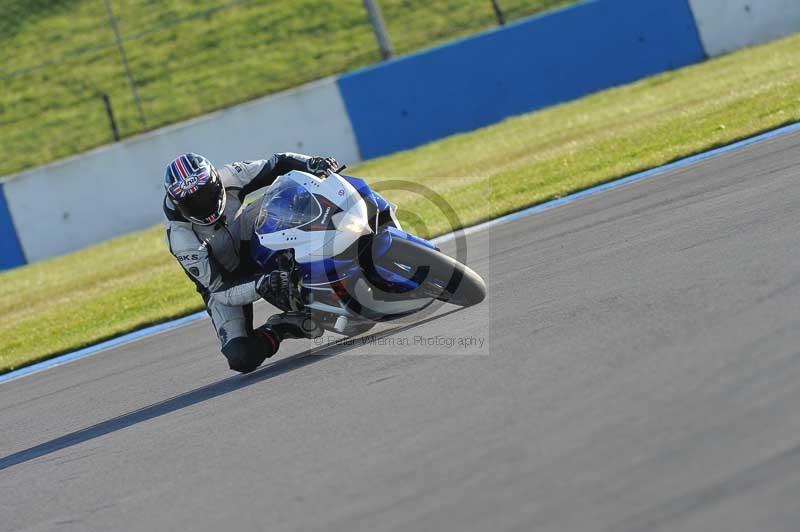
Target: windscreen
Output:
{"points": [[286, 205]]}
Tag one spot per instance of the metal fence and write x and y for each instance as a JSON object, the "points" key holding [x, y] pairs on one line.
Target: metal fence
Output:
{"points": [[80, 73]]}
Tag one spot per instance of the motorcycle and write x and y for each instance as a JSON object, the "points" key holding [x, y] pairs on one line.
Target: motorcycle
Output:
{"points": [[350, 263]]}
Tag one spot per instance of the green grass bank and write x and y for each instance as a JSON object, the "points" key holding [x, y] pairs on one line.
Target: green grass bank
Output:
{"points": [[189, 57]]}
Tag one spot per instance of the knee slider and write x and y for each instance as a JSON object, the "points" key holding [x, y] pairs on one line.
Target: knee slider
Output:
{"points": [[244, 354]]}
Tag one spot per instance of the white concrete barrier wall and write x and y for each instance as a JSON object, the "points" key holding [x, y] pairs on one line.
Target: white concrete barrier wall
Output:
{"points": [[118, 188], [726, 25]]}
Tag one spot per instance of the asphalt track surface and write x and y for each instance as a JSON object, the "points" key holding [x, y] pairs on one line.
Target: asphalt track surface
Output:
{"points": [[640, 371]]}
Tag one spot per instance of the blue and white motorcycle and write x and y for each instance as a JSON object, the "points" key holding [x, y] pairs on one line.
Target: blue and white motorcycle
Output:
{"points": [[351, 264]]}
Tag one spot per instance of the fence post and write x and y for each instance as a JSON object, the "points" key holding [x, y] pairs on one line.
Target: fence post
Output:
{"points": [[110, 113], [379, 28], [113, 22], [498, 13]]}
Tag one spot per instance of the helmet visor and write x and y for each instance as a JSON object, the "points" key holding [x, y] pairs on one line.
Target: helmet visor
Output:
{"points": [[204, 205]]}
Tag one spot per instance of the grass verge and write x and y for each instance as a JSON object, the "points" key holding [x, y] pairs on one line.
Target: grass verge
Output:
{"points": [[189, 57], [75, 300]]}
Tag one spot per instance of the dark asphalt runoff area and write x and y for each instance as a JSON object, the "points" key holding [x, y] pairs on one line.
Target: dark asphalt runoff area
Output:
{"points": [[635, 367]]}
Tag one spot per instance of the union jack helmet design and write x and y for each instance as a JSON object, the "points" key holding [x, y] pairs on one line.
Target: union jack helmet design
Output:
{"points": [[195, 188]]}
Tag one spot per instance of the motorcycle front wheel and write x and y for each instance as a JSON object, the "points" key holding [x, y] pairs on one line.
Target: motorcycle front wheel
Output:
{"points": [[436, 274]]}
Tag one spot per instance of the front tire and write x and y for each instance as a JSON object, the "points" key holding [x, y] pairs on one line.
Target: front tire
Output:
{"points": [[439, 276]]}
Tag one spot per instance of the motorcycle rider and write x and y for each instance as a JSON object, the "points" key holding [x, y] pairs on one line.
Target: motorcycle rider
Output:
{"points": [[208, 232]]}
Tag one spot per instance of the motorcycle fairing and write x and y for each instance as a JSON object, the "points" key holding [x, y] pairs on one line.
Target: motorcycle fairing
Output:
{"points": [[337, 223], [329, 280]]}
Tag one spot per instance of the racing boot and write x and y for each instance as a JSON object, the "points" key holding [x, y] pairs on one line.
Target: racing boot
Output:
{"points": [[292, 325]]}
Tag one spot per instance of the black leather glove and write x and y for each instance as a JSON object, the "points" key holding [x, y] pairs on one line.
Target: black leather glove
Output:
{"points": [[322, 166], [274, 286]]}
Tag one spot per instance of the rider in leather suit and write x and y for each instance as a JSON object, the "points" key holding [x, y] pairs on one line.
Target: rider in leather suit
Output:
{"points": [[208, 230]]}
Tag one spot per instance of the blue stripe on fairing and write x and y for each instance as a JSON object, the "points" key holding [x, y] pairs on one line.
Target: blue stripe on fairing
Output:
{"points": [[11, 253], [149, 331]]}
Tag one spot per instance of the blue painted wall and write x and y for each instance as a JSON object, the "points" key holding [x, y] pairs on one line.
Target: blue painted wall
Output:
{"points": [[524, 66], [10, 250]]}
